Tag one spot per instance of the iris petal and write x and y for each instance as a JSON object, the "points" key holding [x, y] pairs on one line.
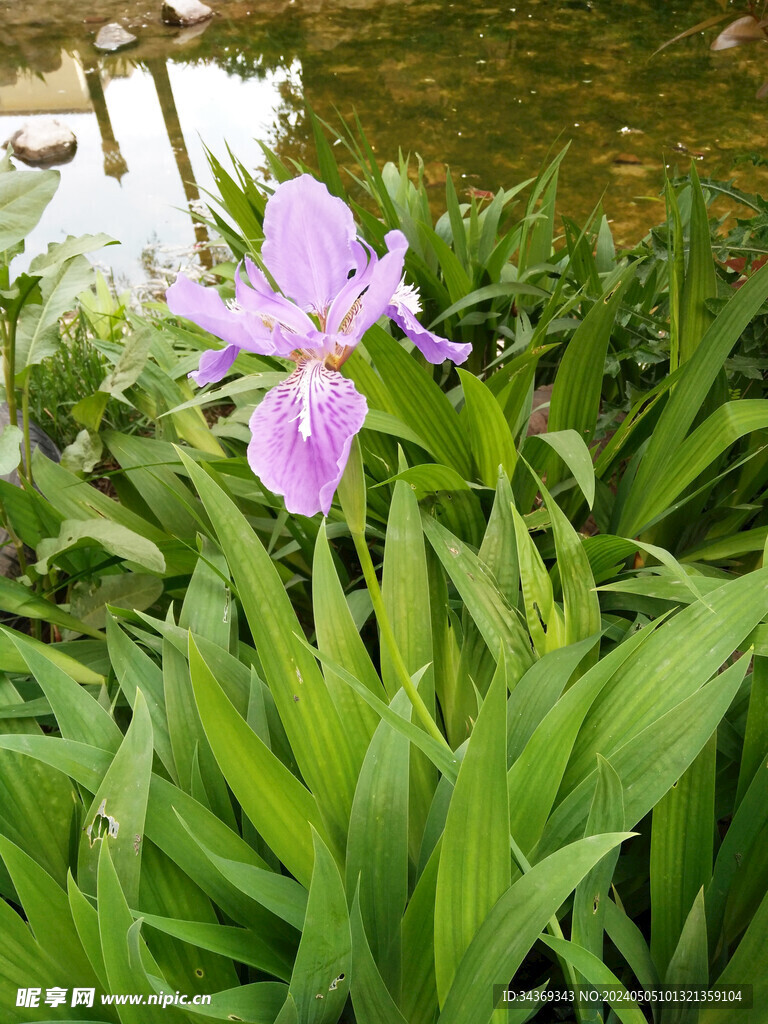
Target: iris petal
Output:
{"points": [[434, 348], [205, 307], [302, 433], [308, 242], [214, 364]]}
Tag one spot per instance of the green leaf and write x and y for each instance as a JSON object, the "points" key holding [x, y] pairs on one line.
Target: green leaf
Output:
{"points": [[115, 539], [420, 403], [130, 362], [370, 997], [497, 622], [316, 733], [515, 923], [118, 810], [595, 971], [747, 966], [23, 197], [377, 858], [683, 653], [650, 762], [571, 448], [492, 443], [689, 963], [281, 808], [83, 454], [682, 836], [37, 332], [575, 400], [700, 281], [22, 601], [46, 909], [324, 960], [10, 448], [474, 866], [132, 590], [605, 815]]}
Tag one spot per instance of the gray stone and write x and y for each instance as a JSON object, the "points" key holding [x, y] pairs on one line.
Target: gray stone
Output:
{"points": [[185, 12], [113, 37], [9, 563], [43, 141]]}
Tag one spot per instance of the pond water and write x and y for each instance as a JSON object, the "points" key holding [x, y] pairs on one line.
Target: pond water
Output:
{"points": [[489, 88]]}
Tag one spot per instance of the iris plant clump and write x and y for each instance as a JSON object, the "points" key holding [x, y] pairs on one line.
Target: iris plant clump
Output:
{"points": [[332, 288]]}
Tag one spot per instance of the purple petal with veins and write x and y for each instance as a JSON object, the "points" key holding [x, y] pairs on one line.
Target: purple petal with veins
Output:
{"points": [[308, 242], [205, 307], [403, 308], [214, 364], [302, 433]]}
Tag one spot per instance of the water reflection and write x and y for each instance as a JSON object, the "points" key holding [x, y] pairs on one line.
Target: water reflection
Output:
{"points": [[486, 87]]}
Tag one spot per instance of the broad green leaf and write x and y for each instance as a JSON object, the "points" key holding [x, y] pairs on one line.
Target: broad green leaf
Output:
{"points": [[115, 539], [545, 619], [79, 715], [37, 332], [682, 654], [38, 801], [699, 450], [756, 729], [58, 252], [316, 733], [24, 602], [278, 893], [23, 197], [419, 402], [605, 815], [700, 281], [575, 400], [650, 762], [132, 590], [86, 921], [10, 446], [497, 621], [124, 973], [118, 810], [571, 448], [339, 637], [324, 959], [595, 971], [281, 808], [682, 838], [745, 828], [475, 866], [377, 858], [405, 589], [241, 944], [370, 997], [747, 966], [134, 668], [538, 692], [418, 1000], [697, 376], [689, 963], [131, 361], [492, 443], [515, 923], [629, 940], [46, 909]]}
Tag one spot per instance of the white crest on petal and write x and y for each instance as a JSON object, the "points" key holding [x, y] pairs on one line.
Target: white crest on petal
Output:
{"points": [[234, 306], [407, 297], [306, 372]]}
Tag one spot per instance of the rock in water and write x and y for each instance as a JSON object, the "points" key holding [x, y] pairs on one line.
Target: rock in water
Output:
{"points": [[185, 12], [43, 141], [113, 37]]}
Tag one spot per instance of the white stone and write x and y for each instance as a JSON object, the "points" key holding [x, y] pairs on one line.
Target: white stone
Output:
{"points": [[185, 12], [113, 37], [43, 141]]}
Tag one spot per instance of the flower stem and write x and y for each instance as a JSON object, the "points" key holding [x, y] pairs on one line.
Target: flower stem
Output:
{"points": [[388, 636], [25, 429]]}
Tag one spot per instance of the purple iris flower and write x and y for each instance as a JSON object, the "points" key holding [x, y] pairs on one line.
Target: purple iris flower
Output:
{"points": [[333, 287]]}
